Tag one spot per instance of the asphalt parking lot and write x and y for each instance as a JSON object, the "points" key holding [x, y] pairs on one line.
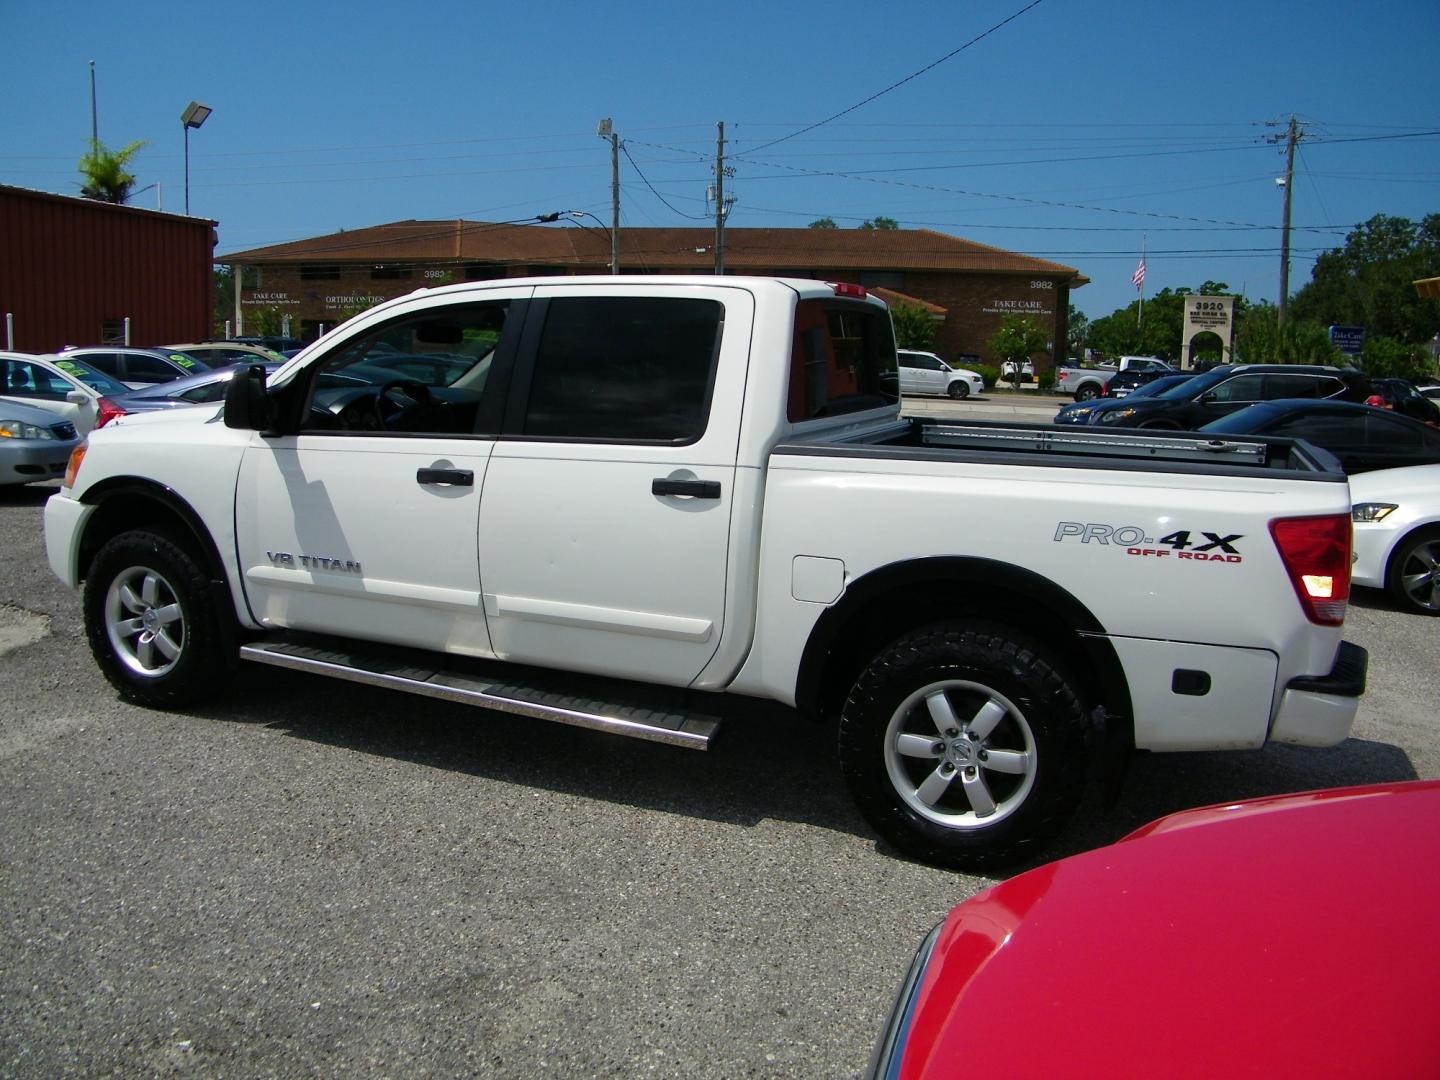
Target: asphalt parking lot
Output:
{"points": [[313, 878]]}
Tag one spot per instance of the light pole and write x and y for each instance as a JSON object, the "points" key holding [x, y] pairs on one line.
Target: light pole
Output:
{"points": [[194, 115]]}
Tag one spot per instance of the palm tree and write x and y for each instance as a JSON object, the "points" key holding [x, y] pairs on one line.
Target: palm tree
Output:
{"points": [[106, 176]]}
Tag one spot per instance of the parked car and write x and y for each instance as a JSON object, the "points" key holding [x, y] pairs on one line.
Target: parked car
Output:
{"points": [[1204, 944], [1362, 437], [1404, 397], [137, 367], [1231, 387], [1084, 412], [926, 373], [205, 388], [1123, 383], [1009, 367], [64, 386], [220, 353], [35, 444], [1395, 520]]}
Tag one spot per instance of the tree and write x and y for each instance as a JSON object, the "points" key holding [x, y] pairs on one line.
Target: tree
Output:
{"points": [[883, 223], [1384, 357], [1018, 339], [824, 223], [914, 326], [1121, 334], [106, 172], [1078, 333], [1369, 282], [1260, 339]]}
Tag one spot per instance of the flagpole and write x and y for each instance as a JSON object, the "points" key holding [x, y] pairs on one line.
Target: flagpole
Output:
{"points": [[1140, 317]]}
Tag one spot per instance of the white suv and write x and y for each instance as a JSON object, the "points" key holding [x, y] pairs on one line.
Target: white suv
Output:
{"points": [[926, 373]]}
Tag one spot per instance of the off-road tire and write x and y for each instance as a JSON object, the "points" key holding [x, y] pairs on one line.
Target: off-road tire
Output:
{"points": [[994, 682]]}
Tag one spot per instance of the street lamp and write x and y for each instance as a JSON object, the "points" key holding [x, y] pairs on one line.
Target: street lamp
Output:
{"points": [[194, 115]]}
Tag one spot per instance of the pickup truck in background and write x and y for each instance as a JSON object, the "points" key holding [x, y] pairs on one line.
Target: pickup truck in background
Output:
{"points": [[628, 504], [1086, 384]]}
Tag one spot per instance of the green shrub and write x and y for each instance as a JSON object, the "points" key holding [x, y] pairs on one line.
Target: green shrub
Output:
{"points": [[1046, 380], [986, 372]]}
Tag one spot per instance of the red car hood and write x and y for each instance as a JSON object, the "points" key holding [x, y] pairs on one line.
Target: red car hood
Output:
{"points": [[1289, 936]]}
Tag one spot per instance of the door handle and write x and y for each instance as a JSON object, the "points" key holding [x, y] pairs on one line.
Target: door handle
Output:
{"points": [[695, 489], [458, 477]]}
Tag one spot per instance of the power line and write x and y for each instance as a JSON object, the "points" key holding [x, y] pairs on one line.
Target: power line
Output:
{"points": [[694, 217], [902, 82]]}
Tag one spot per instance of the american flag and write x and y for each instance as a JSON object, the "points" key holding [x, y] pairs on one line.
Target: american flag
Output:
{"points": [[1138, 277]]}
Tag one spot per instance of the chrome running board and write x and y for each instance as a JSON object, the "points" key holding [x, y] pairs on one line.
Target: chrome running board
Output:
{"points": [[634, 709]]}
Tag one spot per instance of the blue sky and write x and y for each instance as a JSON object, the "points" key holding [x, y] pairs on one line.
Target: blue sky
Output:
{"points": [[1077, 132]]}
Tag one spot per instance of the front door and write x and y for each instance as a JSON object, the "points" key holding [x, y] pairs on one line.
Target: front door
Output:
{"points": [[364, 523]]}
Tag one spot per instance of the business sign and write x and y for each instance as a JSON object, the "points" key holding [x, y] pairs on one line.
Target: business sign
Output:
{"points": [[1207, 315], [1348, 339]]}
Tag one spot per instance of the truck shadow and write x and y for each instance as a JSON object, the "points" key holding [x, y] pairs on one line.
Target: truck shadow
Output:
{"points": [[766, 764]]}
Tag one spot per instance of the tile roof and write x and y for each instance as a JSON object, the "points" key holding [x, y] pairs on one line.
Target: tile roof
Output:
{"points": [[676, 250]]}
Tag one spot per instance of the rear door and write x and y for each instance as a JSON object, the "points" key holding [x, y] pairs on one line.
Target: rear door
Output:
{"points": [[605, 522]]}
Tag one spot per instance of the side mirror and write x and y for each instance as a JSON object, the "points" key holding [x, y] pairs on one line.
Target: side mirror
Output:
{"points": [[1208, 398], [246, 405], [78, 397]]}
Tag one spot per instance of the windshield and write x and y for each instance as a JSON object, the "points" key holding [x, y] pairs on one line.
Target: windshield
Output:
{"points": [[96, 380], [1194, 386], [1157, 387]]}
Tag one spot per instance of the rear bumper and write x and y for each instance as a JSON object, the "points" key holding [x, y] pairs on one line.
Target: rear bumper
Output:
{"points": [[1319, 710]]}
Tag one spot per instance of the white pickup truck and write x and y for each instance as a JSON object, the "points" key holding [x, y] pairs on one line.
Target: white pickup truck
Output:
{"points": [[1086, 384], [627, 503]]}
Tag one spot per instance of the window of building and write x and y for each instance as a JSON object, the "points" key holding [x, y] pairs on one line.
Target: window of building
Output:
{"points": [[629, 369], [319, 272], [112, 332], [250, 277], [554, 271], [384, 272], [842, 360]]}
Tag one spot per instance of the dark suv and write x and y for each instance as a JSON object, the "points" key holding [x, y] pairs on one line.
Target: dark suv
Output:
{"points": [[1229, 387]]}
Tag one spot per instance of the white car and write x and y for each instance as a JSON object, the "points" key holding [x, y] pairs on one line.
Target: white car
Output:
{"points": [[1395, 518], [68, 388], [926, 373]]}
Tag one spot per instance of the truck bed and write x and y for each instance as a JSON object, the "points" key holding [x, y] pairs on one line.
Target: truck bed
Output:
{"points": [[1035, 444]]}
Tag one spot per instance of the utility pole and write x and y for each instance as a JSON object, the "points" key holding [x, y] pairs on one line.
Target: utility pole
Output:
{"points": [[1291, 136], [720, 198], [94, 124], [607, 129]]}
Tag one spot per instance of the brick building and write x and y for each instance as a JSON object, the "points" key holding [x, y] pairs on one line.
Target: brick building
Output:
{"points": [[78, 272], [968, 287]]}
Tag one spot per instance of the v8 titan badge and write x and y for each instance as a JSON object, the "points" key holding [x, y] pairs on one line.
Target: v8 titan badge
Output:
{"points": [[1194, 545]]}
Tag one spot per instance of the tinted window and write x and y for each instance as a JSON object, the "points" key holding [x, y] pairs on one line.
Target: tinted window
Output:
{"points": [[1331, 430], [842, 360], [96, 380], [107, 362], [1241, 388], [1291, 386], [149, 369], [634, 369]]}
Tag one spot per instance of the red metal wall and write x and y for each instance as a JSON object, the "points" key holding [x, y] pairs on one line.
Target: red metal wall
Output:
{"points": [[67, 265]]}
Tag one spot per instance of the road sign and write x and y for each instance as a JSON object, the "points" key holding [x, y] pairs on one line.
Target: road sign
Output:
{"points": [[1348, 339]]}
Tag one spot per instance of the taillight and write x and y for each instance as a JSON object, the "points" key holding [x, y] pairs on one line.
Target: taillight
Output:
{"points": [[845, 288], [1316, 554], [72, 468], [108, 411]]}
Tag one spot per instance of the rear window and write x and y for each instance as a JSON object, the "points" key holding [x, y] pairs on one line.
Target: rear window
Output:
{"points": [[842, 360]]}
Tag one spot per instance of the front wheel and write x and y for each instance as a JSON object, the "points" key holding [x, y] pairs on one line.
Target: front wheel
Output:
{"points": [[964, 745], [958, 390], [1413, 580], [154, 628]]}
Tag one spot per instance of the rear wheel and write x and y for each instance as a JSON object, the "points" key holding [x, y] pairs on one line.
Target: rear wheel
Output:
{"points": [[958, 390], [152, 623], [1413, 579], [1088, 392], [964, 745]]}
